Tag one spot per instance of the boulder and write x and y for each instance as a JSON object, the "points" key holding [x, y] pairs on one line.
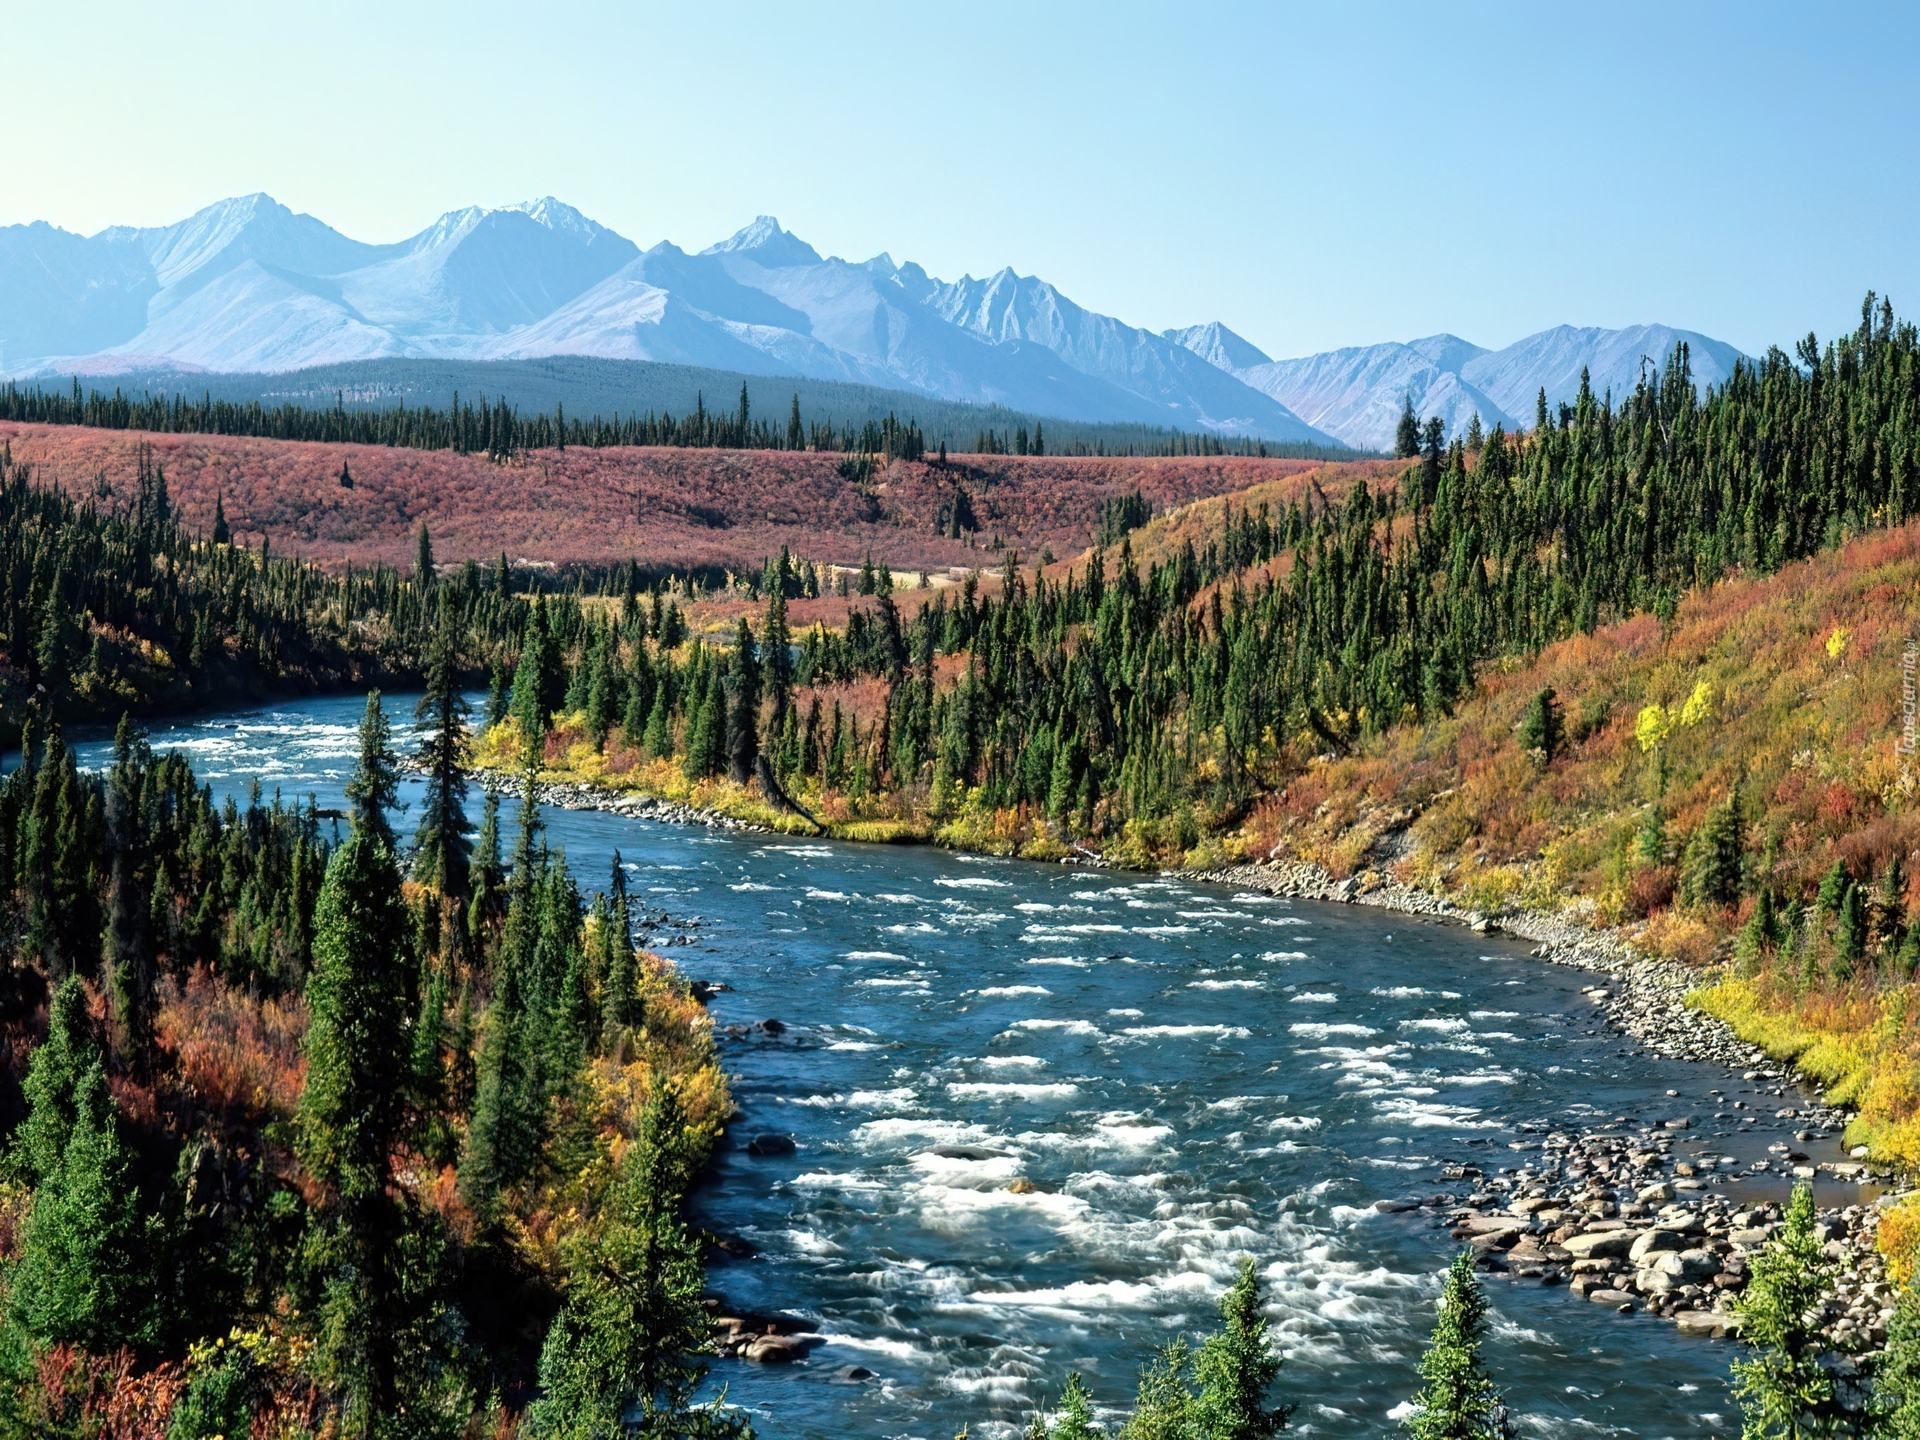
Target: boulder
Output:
{"points": [[776, 1349], [1658, 1193], [1707, 1324], [1655, 1242], [765, 1145], [1618, 1299], [1686, 1267], [1600, 1245]]}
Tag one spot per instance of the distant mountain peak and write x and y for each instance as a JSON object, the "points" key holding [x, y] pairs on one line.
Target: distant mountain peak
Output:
{"points": [[1217, 345], [559, 216], [765, 243]]}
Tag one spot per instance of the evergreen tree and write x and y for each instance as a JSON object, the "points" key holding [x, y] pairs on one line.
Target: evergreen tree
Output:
{"points": [[632, 1329], [1850, 930], [53, 1079], [1074, 1419], [1235, 1367], [423, 571], [658, 740], [1716, 854], [90, 1252], [441, 847], [349, 1114], [1163, 1405], [1459, 1401], [743, 706], [129, 948], [1540, 728], [1785, 1393], [1406, 435], [221, 534], [1833, 889], [374, 788]]}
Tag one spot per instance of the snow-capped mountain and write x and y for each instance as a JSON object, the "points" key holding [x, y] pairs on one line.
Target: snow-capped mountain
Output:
{"points": [[247, 285], [1356, 394]]}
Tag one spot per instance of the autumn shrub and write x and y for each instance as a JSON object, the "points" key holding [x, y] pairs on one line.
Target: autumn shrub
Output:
{"points": [[239, 1056]]}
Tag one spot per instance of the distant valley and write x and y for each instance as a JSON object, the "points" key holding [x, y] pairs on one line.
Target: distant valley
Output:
{"points": [[247, 285]]}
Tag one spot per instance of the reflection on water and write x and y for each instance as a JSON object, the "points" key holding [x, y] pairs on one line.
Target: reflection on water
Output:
{"points": [[1040, 1112]]}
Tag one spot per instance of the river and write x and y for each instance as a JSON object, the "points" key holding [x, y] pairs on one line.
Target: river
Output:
{"points": [[1180, 1074]]}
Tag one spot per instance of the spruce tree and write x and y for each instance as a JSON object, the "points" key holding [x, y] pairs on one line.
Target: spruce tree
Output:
{"points": [[374, 788], [1235, 1367], [1850, 930], [90, 1252], [1715, 856], [743, 706], [1458, 1401], [356, 1046], [1073, 1420], [1163, 1405], [129, 949], [1783, 1389], [53, 1077], [441, 848], [1406, 435], [632, 1330], [1540, 728], [423, 571], [658, 741]]}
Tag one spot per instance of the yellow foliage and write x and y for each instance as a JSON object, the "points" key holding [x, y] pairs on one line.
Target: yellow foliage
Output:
{"points": [[1837, 642], [1899, 1238], [1653, 727], [1699, 705]]}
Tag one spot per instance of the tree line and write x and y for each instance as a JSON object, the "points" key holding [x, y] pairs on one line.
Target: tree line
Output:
{"points": [[500, 430]]}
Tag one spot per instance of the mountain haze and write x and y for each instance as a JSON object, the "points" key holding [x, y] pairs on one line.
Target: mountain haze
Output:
{"points": [[247, 285], [1356, 394]]}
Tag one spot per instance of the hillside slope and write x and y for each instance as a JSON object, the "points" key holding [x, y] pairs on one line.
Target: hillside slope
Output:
{"points": [[1784, 691], [663, 507]]}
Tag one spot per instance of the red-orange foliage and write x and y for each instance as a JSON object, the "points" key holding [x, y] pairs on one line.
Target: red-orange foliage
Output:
{"points": [[238, 1057], [666, 506], [101, 1395]]}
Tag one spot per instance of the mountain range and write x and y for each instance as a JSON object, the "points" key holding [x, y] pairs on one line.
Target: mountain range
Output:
{"points": [[248, 285]]}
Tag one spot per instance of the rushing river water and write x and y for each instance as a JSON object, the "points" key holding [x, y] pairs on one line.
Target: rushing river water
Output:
{"points": [[1182, 1074]]}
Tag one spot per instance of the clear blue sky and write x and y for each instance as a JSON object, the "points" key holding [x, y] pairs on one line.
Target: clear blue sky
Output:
{"points": [[1314, 176]]}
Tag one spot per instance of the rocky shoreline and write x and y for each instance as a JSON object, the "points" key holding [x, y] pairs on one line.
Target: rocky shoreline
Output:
{"points": [[1610, 1212], [572, 795]]}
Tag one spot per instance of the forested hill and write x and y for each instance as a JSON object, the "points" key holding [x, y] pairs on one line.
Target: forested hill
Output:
{"points": [[111, 606], [1139, 709]]}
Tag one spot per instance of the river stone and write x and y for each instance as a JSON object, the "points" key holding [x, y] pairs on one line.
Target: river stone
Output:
{"points": [[1658, 1193], [1490, 1224], [1618, 1299], [1654, 1242], [764, 1145], [1687, 1266], [1600, 1245], [776, 1349], [1706, 1324]]}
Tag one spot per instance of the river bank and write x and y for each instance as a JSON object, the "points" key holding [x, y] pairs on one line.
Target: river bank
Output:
{"points": [[1615, 1215]]}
